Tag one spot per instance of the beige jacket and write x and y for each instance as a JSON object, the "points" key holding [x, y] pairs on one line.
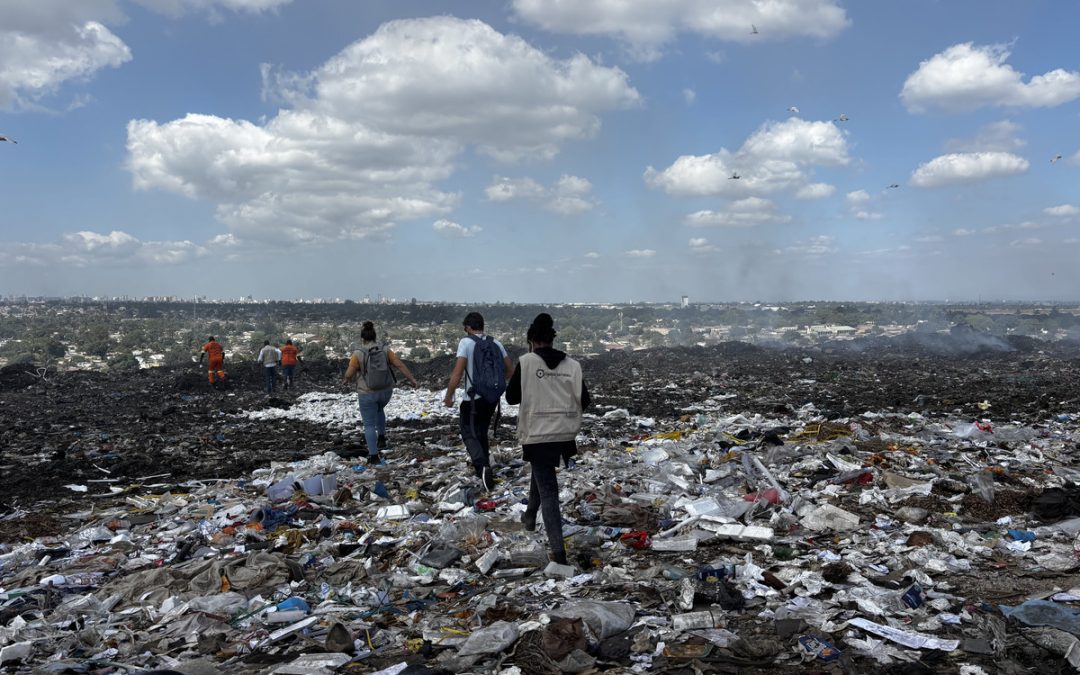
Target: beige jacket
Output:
{"points": [[550, 407]]}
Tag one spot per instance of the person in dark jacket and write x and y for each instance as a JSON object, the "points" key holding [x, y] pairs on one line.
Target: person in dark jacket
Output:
{"points": [[551, 392]]}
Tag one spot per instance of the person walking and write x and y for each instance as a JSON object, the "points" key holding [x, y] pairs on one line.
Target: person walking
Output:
{"points": [[551, 391], [269, 356], [370, 365], [216, 363], [485, 366], [290, 356]]}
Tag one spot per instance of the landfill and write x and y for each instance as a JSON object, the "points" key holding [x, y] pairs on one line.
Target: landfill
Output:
{"points": [[885, 506]]}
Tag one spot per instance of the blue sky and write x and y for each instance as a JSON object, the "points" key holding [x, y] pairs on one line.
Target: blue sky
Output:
{"points": [[541, 150]]}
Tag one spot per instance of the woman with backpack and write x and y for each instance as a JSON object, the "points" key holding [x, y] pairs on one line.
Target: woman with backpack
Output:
{"points": [[551, 391], [370, 365]]}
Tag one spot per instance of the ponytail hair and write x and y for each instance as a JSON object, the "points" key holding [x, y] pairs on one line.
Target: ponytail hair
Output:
{"points": [[367, 332]]}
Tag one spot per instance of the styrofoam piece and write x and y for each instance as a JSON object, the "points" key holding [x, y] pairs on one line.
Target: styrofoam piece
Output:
{"points": [[706, 506], [687, 544], [554, 569], [395, 512], [736, 531], [485, 562]]}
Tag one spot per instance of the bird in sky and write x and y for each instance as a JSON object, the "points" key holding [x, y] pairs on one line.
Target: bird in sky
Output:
{"points": [[753, 29], [12, 140], [894, 185], [734, 176], [842, 118], [1055, 159], [793, 109]]}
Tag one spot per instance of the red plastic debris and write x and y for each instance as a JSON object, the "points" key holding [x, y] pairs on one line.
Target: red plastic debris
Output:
{"points": [[637, 540], [771, 495]]}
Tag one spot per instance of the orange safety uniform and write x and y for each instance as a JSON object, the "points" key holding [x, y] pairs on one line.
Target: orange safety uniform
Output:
{"points": [[288, 355], [217, 360]]}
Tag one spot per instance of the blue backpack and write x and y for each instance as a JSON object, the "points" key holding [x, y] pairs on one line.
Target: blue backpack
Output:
{"points": [[488, 378]]}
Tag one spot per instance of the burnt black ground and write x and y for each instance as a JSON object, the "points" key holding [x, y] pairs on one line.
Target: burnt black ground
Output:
{"points": [[75, 426]]}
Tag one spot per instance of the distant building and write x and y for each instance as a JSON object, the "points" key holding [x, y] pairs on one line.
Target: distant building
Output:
{"points": [[686, 301]]}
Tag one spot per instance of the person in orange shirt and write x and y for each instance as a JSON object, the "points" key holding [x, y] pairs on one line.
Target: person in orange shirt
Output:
{"points": [[217, 360], [290, 356]]}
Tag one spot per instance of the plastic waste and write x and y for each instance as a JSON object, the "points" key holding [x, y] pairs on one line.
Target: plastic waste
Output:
{"points": [[490, 639], [602, 618], [1045, 613], [816, 648], [692, 620], [829, 517]]}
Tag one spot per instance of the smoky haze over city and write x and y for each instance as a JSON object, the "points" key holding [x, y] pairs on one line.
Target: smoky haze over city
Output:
{"points": [[537, 151]]}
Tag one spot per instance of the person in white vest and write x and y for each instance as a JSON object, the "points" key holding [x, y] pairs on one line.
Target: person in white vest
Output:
{"points": [[551, 392]]}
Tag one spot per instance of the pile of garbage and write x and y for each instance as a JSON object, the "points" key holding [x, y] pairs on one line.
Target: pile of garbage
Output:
{"points": [[754, 541]]}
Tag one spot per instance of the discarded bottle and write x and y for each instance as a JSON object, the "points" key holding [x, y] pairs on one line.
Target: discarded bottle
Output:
{"points": [[693, 620]]}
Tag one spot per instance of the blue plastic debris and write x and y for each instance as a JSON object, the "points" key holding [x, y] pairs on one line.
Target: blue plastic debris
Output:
{"points": [[818, 648], [1045, 613], [1021, 535], [913, 596]]}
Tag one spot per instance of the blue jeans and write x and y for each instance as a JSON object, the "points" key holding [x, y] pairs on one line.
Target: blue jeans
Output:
{"points": [[271, 378], [371, 412]]}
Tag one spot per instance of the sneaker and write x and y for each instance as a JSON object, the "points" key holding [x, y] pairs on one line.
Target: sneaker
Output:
{"points": [[382, 442], [529, 521], [488, 478]]}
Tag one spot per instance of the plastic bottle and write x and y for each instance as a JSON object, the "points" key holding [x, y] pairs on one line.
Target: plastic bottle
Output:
{"points": [[692, 620]]}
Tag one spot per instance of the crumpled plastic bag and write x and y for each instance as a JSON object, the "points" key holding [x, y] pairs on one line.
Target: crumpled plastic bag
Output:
{"points": [[490, 639], [602, 618]]}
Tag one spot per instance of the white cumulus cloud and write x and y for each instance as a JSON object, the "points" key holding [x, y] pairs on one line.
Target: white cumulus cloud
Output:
{"points": [[968, 76], [967, 167], [858, 197], [364, 137], [89, 249], [452, 229], [646, 25], [1062, 211], [746, 212], [568, 196], [701, 245], [45, 44], [772, 159], [641, 253], [815, 191]]}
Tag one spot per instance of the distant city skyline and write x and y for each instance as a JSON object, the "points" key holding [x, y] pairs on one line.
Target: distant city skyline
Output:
{"points": [[541, 150]]}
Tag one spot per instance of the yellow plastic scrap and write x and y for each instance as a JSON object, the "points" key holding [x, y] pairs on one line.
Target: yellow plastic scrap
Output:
{"points": [[734, 439], [414, 645], [668, 436]]}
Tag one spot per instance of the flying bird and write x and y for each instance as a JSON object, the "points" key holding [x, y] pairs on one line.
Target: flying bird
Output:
{"points": [[12, 140], [734, 176], [842, 118], [793, 109], [894, 185], [753, 29], [1056, 158]]}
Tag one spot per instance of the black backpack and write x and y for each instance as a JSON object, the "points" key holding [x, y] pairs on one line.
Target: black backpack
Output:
{"points": [[376, 369], [488, 378]]}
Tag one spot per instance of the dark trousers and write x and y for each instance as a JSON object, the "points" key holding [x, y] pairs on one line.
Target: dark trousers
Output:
{"points": [[475, 421], [544, 496], [271, 378]]}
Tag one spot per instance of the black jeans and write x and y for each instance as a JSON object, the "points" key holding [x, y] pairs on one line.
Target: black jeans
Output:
{"points": [[475, 420], [544, 495]]}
